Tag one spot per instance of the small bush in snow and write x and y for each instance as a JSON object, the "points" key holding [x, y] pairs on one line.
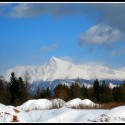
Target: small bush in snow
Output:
{"points": [[80, 106]]}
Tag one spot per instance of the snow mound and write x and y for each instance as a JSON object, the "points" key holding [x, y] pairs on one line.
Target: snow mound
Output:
{"points": [[41, 104], [73, 102], [77, 102], [36, 105], [58, 103], [28, 102], [64, 114], [87, 102], [116, 114], [27, 105], [1, 106]]}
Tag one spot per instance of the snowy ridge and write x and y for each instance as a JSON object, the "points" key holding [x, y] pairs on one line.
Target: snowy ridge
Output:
{"points": [[60, 69]]}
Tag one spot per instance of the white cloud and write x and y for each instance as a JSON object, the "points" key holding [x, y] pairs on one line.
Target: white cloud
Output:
{"points": [[108, 13], [101, 34], [21, 10]]}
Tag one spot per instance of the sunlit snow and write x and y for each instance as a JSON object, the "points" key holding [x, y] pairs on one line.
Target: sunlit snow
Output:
{"points": [[40, 110]]}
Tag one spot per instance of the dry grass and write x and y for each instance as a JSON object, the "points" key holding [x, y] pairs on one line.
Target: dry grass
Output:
{"points": [[16, 110], [87, 107], [54, 106], [111, 105]]}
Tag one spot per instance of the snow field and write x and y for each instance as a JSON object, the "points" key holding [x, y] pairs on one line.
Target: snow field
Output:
{"points": [[40, 110]]}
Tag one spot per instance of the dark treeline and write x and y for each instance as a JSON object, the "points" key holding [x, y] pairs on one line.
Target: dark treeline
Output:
{"points": [[17, 91], [100, 93]]}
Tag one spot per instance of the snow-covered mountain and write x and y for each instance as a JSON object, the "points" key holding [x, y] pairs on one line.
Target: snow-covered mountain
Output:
{"points": [[57, 68]]}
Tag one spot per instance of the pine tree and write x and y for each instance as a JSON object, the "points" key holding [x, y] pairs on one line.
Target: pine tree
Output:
{"points": [[48, 92], [96, 89], [2, 90], [84, 91], [14, 88], [75, 90], [22, 90], [119, 93], [8, 96], [43, 92], [61, 91], [38, 93], [106, 94], [116, 93], [27, 78]]}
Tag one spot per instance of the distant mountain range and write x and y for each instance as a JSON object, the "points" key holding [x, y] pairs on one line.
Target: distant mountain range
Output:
{"points": [[57, 71]]}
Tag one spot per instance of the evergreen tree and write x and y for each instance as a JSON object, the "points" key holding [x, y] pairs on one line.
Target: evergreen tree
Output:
{"points": [[14, 88], [27, 85], [90, 94], [22, 91], [122, 93], [96, 89], [2, 90], [7, 95], [43, 93], [106, 94], [75, 90], [48, 93], [61, 91], [119, 93], [84, 91], [38, 93], [116, 93]]}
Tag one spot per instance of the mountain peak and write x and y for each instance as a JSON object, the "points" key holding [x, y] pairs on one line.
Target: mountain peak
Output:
{"points": [[53, 58], [57, 68]]}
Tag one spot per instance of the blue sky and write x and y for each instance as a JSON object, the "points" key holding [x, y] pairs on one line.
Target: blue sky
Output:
{"points": [[31, 33]]}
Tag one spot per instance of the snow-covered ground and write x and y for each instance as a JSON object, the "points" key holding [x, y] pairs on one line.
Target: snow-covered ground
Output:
{"points": [[41, 110]]}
